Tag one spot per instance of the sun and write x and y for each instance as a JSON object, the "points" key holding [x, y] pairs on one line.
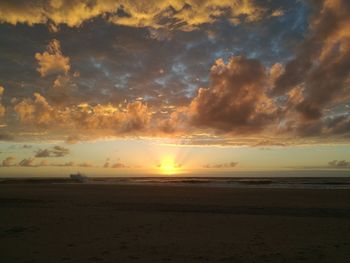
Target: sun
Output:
{"points": [[168, 166]]}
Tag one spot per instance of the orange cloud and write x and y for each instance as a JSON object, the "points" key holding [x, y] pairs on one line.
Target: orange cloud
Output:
{"points": [[2, 108], [35, 112], [185, 15], [134, 116], [171, 14], [52, 61], [9, 161]]}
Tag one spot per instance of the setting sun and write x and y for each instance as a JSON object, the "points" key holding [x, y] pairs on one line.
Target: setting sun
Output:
{"points": [[169, 166]]}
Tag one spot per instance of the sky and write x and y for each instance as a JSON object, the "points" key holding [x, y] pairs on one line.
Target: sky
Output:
{"points": [[173, 87]]}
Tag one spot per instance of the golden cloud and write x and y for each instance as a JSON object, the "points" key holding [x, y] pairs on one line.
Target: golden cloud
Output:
{"points": [[2, 108], [184, 15], [52, 61], [171, 14], [131, 117], [37, 111], [9, 161]]}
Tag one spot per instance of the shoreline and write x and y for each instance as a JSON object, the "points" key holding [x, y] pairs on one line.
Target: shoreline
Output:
{"points": [[215, 182]]}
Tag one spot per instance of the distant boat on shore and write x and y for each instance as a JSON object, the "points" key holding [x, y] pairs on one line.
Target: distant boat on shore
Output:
{"points": [[78, 177]]}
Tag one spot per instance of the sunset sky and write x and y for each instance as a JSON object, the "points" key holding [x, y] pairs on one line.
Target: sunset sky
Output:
{"points": [[121, 87]]}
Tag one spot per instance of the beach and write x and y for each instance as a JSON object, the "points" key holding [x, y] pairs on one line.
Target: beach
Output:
{"points": [[72, 222]]}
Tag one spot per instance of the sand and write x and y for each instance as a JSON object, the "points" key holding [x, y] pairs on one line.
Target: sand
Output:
{"points": [[111, 223]]}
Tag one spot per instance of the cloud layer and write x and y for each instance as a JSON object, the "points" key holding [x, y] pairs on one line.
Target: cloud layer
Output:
{"points": [[170, 14], [208, 72]]}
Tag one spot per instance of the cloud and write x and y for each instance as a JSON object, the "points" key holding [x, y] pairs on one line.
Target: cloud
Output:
{"points": [[56, 151], [180, 14], [221, 165], [85, 164], [9, 161], [339, 164], [277, 12], [2, 108], [26, 146], [52, 61], [321, 66], [66, 164], [71, 13], [71, 164], [32, 162], [154, 81], [59, 151], [106, 164], [236, 100], [29, 162], [185, 15], [72, 139], [63, 90], [6, 137], [133, 116], [42, 153], [37, 112], [118, 165]]}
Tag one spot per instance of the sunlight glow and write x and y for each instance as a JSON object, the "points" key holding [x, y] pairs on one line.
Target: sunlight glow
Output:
{"points": [[169, 166]]}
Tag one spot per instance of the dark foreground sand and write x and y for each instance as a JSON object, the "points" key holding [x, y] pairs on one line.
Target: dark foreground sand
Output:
{"points": [[110, 223]]}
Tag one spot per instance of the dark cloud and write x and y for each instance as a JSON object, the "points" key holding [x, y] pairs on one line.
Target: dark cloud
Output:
{"points": [[66, 164], [85, 164], [72, 139], [6, 137], [236, 100], [31, 162], [221, 165], [322, 64], [339, 164], [56, 151], [28, 162], [118, 165], [106, 164]]}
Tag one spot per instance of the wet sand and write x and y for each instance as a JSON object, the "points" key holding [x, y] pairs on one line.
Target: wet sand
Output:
{"points": [[111, 223]]}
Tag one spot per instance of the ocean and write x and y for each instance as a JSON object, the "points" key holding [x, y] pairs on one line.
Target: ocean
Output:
{"points": [[277, 180]]}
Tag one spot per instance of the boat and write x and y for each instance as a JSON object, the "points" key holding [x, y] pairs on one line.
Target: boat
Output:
{"points": [[78, 177]]}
